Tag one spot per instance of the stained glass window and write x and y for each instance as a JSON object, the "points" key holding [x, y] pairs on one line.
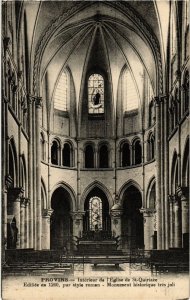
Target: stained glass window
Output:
{"points": [[96, 94], [61, 93], [95, 213]]}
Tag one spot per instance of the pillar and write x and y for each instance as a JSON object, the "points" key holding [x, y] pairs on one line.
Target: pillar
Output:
{"points": [[148, 215], [38, 103], [182, 193], [46, 214], [6, 180], [96, 163], [14, 196], [177, 223], [116, 223], [30, 178], [77, 217], [8, 183], [166, 172], [26, 224], [22, 222], [170, 197], [158, 174]]}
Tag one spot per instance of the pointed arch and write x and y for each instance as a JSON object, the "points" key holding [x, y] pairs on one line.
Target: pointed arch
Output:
{"points": [[174, 173], [44, 195], [89, 153], [102, 187], [23, 175], [126, 185], [151, 193], [150, 146], [43, 146], [185, 164], [61, 100], [55, 151], [69, 189], [125, 153], [136, 151], [13, 163]]}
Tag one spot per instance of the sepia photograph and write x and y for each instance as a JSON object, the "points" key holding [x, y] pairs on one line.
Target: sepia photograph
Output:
{"points": [[95, 150]]}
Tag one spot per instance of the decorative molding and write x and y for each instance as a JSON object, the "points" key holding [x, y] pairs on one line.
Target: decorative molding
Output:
{"points": [[148, 212]]}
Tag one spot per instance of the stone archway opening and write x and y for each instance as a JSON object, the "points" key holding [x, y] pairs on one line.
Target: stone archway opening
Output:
{"points": [[132, 219], [61, 221], [97, 218]]}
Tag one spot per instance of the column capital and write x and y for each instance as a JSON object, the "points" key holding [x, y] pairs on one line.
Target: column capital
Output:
{"points": [[27, 201], [77, 215], [6, 43], [116, 213], [171, 198], [175, 200], [20, 73], [30, 98], [159, 99], [165, 98], [148, 212], [15, 194], [23, 202], [8, 181], [15, 88], [183, 87], [178, 73], [38, 102], [182, 193], [46, 213]]}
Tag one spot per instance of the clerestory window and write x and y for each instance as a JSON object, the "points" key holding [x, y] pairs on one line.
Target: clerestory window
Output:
{"points": [[96, 94]]}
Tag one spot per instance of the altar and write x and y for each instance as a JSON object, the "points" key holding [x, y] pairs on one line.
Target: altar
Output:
{"points": [[97, 242]]}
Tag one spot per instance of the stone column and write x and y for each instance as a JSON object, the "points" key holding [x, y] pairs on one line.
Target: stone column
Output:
{"points": [[14, 196], [132, 160], [77, 217], [158, 174], [30, 178], [8, 183], [38, 102], [170, 197], [116, 213], [182, 193], [166, 171], [148, 215], [22, 222], [46, 214], [96, 163], [26, 224], [177, 223]]}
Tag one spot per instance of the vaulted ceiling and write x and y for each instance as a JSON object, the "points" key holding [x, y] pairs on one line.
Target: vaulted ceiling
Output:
{"points": [[66, 33]]}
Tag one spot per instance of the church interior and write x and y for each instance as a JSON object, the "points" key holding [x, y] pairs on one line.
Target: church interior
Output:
{"points": [[95, 126]]}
